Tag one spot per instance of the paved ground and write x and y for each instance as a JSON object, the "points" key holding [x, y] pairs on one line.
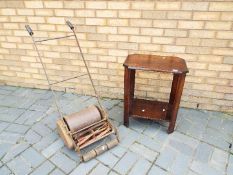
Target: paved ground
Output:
{"points": [[29, 143]]}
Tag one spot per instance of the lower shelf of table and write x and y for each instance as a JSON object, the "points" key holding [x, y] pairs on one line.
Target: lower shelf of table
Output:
{"points": [[154, 110]]}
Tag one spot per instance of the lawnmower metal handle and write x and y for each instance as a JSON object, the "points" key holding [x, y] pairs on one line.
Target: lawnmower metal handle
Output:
{"points": [[70, 24], [28, 28]]}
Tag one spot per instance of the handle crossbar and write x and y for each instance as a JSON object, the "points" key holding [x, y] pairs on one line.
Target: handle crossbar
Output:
{"points": [[71, 26], [67, 79], [48, 39]]}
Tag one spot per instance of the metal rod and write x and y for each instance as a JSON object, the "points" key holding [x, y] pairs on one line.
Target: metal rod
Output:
{"points": [[68, 79], [96, 94], [38, 41], [46, 75]]}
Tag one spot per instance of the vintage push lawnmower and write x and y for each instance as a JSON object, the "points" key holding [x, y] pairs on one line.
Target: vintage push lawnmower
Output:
{"points": [[88, 126]]}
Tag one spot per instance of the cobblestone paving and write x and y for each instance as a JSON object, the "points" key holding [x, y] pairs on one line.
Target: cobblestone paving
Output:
{"points": [[29, 143]]}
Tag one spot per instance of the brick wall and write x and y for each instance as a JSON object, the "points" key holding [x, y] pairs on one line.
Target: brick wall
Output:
{"points": [[200, 32]]}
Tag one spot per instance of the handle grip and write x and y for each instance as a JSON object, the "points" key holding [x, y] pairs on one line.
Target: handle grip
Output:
{"points": [[28, 28], [70, 25]]}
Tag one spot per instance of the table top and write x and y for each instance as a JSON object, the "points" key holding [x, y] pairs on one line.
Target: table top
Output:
{"points": [[158, 63]]}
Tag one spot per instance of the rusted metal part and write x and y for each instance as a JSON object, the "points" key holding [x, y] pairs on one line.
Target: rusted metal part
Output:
{"points": [[81, 129]]}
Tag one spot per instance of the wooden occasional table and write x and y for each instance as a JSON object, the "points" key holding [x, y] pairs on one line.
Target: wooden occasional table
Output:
{"points": [[154, 110]]}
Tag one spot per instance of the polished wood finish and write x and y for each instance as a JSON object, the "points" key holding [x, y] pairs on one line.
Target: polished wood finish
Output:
{"points": [[129, 82], [154, 110], [149, 109], [156, 63], [175, 97]]}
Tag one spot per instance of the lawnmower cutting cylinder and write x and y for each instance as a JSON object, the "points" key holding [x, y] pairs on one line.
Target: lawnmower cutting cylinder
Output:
{"points": [[83, 128]]}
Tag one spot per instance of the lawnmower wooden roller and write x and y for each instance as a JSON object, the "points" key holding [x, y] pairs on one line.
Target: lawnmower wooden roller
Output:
{"points": [[86, 127], [83, 128]]}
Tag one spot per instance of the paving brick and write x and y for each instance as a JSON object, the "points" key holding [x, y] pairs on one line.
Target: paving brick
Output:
{"points": [[4, 148], [23, 169], [53, 148], [116, 114], [118, 151], [42, 105], [161, 135], [230, 159], [46, 95], [125, 164], [127, 136], [152, 129], [16, 128], [184, 125], [10, 88], [71, 154], [84, 168], [196, 130], [14, 151], [230, 170], [230, 165], [181, 147], [180, 165], [23, 92], [219, 159], [57, 172], [204, 169], [3, 125], [100, 169], [203, 152], [29, 117], [191, 173], [219, 156], [191, 142], [153, 144], [166, 158], [4, 170], [50, 120], [144, 151], [63, 162], [44, 168], [108, 159], [32, 137], [9, 137], [140, 167], [200, 135], [198, 116], [216, 138], [138, 124], [16, 102], [10, 114], [33, 157], [46, 141], [112, 173], [41, 129], [227, 126], [155, 170], [5, 92], [2, 96], [77, 104], [109, 103]]}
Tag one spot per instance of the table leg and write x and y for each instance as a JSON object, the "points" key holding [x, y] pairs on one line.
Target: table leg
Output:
{"points": [[129, 82], [175, 97]]}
